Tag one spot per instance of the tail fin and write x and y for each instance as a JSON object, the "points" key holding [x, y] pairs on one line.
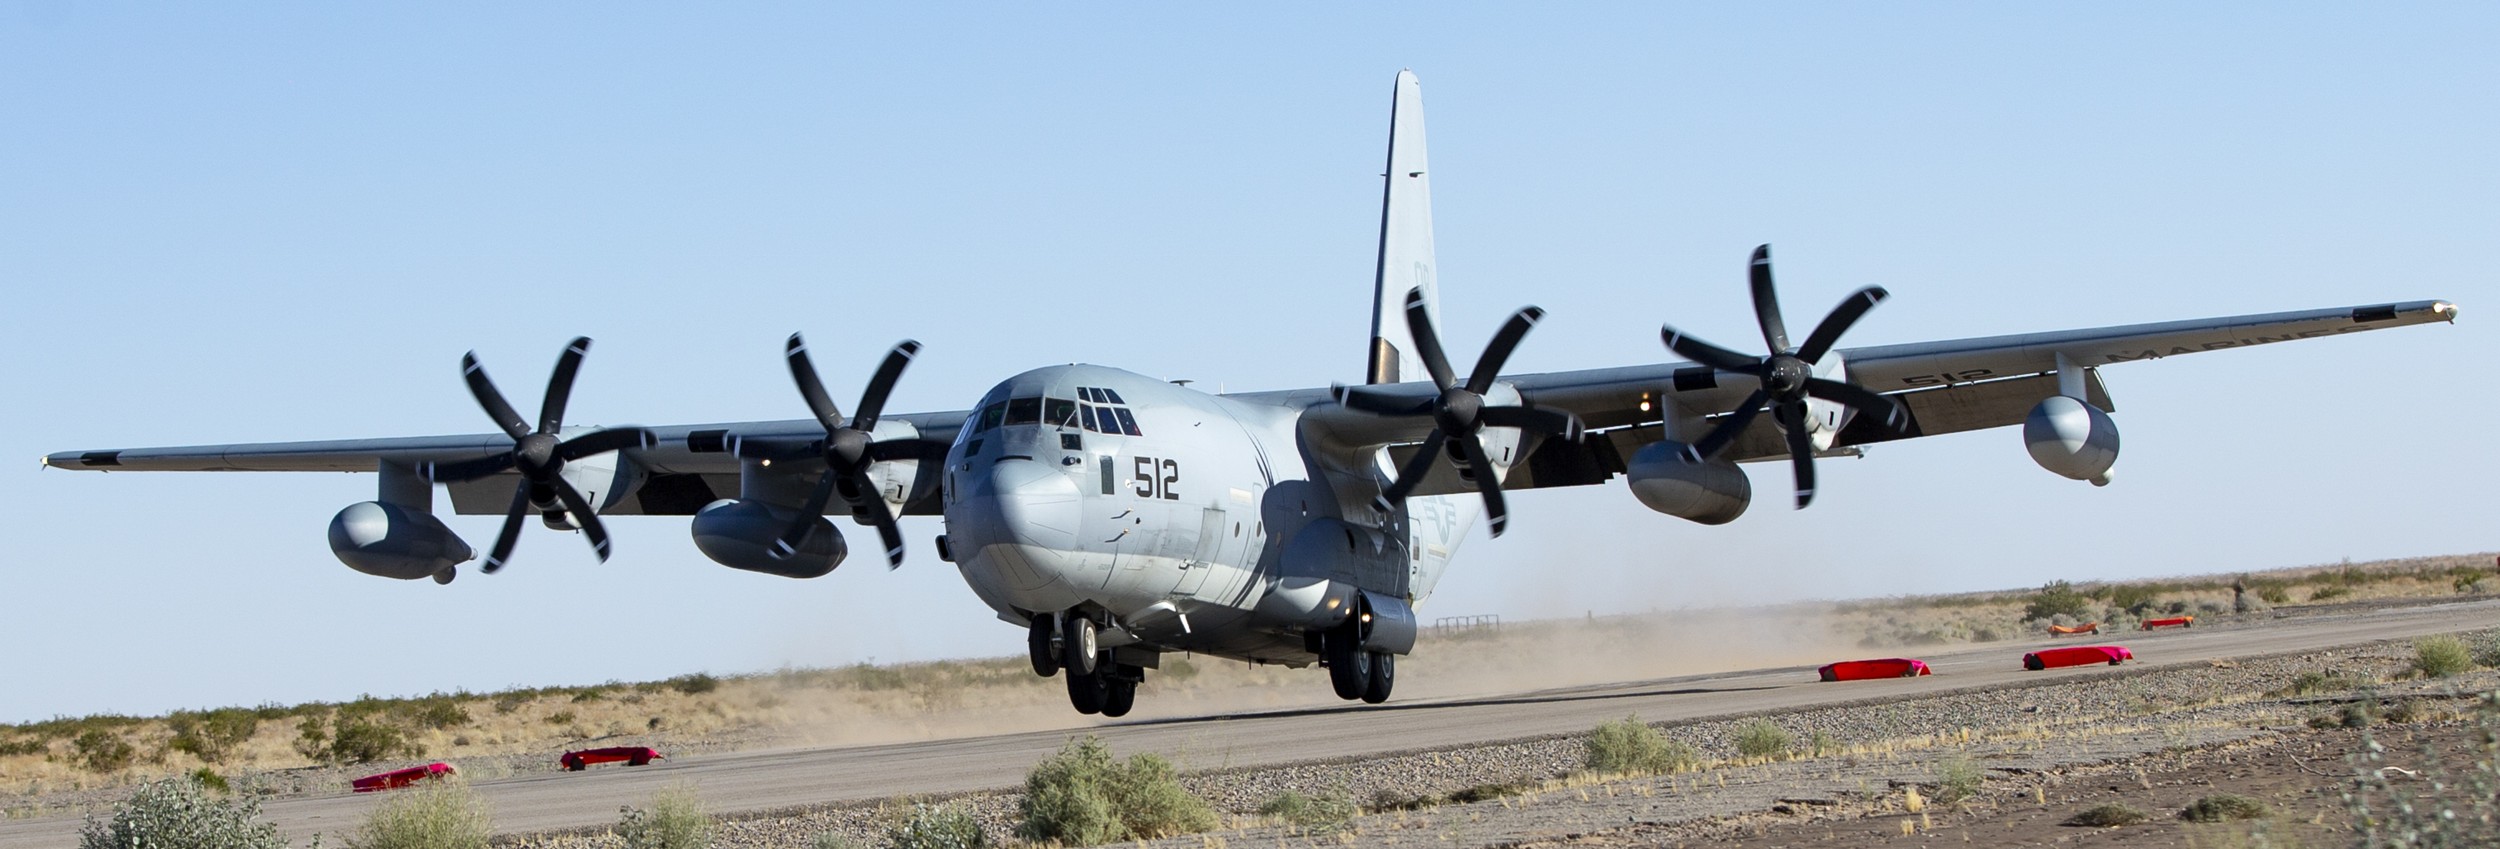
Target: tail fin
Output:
{"points": [[1405, 241]]}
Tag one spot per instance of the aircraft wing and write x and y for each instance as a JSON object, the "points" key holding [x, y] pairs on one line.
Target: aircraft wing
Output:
{"points": [[690, 465], [1945, 387]]}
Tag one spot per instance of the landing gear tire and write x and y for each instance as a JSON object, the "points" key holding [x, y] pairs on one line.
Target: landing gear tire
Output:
{"points": [[1087, 691], [1349, 666], [1384, 676], [1077, 645], [1038, 640], [1119, 694]]}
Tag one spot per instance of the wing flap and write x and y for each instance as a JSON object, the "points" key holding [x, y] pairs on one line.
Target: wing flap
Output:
{"points": [[1892, 368]]}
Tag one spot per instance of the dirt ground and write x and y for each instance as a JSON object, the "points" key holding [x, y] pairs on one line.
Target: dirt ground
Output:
{"points": [[2302, 776]]}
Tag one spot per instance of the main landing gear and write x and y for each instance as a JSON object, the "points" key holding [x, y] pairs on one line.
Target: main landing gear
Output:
{"points": [[1096, 683], [1355, 673]]}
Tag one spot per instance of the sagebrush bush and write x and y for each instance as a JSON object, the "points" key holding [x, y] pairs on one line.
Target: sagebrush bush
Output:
{"points": [[103, 751], [1327, 812], [2225, 806], [180, 814], [2447, 801], [695, 684], [1958, 779], [936, 827], [2442, 656], [1761, 739], [364, 740], [212, 735], [1080, 796], [1629, 746], [2106, 816], [438, 813], [675, 820], [2057, 598]]}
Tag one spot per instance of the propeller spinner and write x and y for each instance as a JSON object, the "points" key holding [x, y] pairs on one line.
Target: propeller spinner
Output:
{"points": [[1786, 375], [539, 455], [1460, 410]]}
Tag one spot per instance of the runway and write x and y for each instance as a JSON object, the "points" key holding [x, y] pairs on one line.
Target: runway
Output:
{"points": [[765, 780]]}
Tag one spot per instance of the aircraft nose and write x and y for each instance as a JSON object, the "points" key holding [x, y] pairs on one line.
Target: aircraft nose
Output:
{"points": [[1018, 502]]}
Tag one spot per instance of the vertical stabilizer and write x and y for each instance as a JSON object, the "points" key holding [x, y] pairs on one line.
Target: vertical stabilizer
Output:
{"points": [[1405, 241]]}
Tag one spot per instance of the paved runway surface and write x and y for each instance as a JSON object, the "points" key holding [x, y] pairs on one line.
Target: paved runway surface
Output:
{"points": [[763, 780]]}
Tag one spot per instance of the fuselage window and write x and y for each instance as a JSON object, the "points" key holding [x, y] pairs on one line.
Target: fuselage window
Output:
{"points": [[1060, 411], [1071, 442], [1109, 396], [1085, 413], [1128, 423], [991, 416], [1024, 411]]}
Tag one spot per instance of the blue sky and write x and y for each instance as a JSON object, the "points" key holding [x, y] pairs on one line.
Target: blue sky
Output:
{"points": [[287, 221]]}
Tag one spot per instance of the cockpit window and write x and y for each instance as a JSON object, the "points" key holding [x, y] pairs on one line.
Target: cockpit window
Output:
{"points": [[1128, 424], [1060, 412], [1109, 396], [1023, 411], [1085, 413], [1085, 393], [991, 416]]}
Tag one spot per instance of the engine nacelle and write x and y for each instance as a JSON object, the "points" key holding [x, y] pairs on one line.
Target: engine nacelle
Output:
{"points": [[1712, 493], [2072, 438], [1389, 624], [740, 535], [603, 479], [1322, 566], [394, 542]]}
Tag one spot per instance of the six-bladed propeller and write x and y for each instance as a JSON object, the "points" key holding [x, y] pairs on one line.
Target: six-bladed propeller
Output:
{"points": [[1459, 413], [847, 449], [539, 455], [1787, 375]]}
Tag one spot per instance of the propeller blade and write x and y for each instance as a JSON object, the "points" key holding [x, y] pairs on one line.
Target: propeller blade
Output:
{"points": [[484, 391], [601, 442], [584, 516], [1413, 472], [803, 372], [809, 512], [1496, 513], [1728, 429], [1379, 403], [1827, 334], [511, 533], [872, 401], [560, 385], [1792, 418], [1556, 423], [465, 470], [880, 515], [1427, 341], [1506, 340], [1766, 303], [1864, 400], [1708, 354]]}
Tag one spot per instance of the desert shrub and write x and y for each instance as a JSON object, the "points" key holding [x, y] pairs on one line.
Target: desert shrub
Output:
{"points": [[2441, 656], [695, 684], [180, 814], [2274, 593], [562, 717], [936, 827], [1629, 746], [102, 751], [27, 746], [210, 780], [2450, 802], [2106, 816], [1958, 779], [2224, 806], [2314, 682], [2054, 599], [1761, 739], [2487, 651], [835, 840], [2468, 583], [312, 737], [509, 702], [2134, 598], [438, 711], [1327, 812], [1080, 796], [675, 820], [434, 814], [1822, 743], [212, 735], [363, 740], [2329, 592]]}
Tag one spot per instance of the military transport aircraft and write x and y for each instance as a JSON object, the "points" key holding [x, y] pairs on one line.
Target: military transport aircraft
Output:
{"points": [[1118, 517]]}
